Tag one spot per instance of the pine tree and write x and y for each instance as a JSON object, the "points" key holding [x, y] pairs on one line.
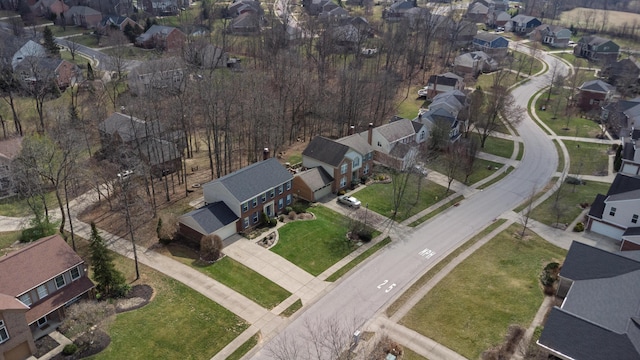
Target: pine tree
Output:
{"points": [[50, 42], [111, 282], [90, 74]]}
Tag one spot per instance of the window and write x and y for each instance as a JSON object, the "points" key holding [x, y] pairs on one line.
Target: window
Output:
{"points": [[254, 202], [75, 273], [42, 321], [280, 203], [25, 299], [422, 133], [356, 162], [288, 185], [246, 222], [255, 217], [366, 169], [280, 189], [60, 281], [634, 218], [288, 199], [343, 169], [612, 212], [245, 207], [343, 182], [42, 291], [263, 197], [273, 193], [4, 335]]}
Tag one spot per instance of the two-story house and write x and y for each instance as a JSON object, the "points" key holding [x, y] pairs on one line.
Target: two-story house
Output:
{"points": [[237, 201], [397, 10], [524, 24], [16, 341], [83, 16], [597, 49], [116, 22], [438, 84], [46, 277], [616, 214], [162, 37], [346, 160], [166, 75], [594, 94], [121, 128], [474, 63], [60, 72], [552, 35], [492, 44]]}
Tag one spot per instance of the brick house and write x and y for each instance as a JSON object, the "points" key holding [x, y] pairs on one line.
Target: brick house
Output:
{"points": [[346, 160], [237, 201], [116, 21], [594, 94], [46, 277], [83, 16], [36, 70], [161, 37], [16, 341]]}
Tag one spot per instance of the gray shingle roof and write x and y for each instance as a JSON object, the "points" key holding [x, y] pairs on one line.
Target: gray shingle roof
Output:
{"points": [[623, 183], [316, 178], [587, 262], [357, 143], [396, 130], [597, 86], [129, 127], [597, 207], [326, 150], [209, 218], [159, 151], [629, 195], [255, 179]]}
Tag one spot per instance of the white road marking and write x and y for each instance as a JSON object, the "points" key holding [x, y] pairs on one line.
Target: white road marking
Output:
{"points": [[390, 287], [383, 283], [427, 253]]}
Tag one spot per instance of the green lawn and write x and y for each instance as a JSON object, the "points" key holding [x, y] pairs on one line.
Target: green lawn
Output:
{"points": [[360, 258], [564, 125], [537, 64], [497, 146], [135, 53], [481, 169], [86, 40], [244, 348], [416, 198], [7, 238], [587, 158], [58, 31], [437, 211], [408, 108], [292, 308], [470, 309], [179, 323], [315, 245], [18, 207], [485, 81], [568, 203], [572, 59], [236, 276], [407, 354]]}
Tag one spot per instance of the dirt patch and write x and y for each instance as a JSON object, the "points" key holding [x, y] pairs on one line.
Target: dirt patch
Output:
{"points": [[139, 296], [44, 345]]}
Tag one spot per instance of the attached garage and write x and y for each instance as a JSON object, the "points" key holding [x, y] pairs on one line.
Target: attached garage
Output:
{"points": [[313, 184], [214, 218], [607, 230], [19, 352]]}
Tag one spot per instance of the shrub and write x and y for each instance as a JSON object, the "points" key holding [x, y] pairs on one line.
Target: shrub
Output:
{"points": [[281, 218], [288, 209], [300, 206], [365, 236], [571, 180], [579, 227], [363, 180], [292, 215], [341, 192], [70, 349], [273, 222], [211, 248]]}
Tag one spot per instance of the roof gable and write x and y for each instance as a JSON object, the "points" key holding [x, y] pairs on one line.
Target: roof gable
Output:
{"points": [[597, 86], [316, 178], [587, 262], [326, 150], [396, 130], [357, 143], [210, 218]]}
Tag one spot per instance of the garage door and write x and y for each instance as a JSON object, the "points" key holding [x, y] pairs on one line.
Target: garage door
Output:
{"points": [[226, 231], [319, 194], [19, 352], [607, 230]]}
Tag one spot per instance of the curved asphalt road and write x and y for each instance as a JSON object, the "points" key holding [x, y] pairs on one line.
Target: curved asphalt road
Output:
{"points": [[370, 289]]}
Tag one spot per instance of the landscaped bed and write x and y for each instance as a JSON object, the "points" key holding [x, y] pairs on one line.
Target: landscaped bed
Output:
{"points": [[470, 310], [379, 197], [317, 244]]}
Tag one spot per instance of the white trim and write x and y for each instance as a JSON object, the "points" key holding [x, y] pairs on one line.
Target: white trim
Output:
{"points": [[64, 281]]}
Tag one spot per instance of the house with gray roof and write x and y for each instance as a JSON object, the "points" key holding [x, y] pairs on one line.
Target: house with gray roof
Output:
{"points": [[524, 24], [124, 128], [474, 63], [83, 16], [261, 188], [597, 49], [616, 214], [162, 37], [346, 160], [594, 94], [312, 184], [212, 219], [553, 35], [598, 318], [438, 84], [396, 143], [117, 22], [493, 45], [397, 10]]}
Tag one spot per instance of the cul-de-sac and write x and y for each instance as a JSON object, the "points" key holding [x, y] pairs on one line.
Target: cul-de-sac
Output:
{"points": [[319, 179]]}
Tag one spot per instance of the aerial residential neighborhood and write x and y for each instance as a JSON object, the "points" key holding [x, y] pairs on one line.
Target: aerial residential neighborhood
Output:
{"points": [[319, 179]]}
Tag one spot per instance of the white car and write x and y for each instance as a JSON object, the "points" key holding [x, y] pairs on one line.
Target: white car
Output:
{"points": [[125, 174], [349, 201], [423, 92]]}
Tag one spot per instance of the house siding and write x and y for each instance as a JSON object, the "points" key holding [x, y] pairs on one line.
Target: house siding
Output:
{"points": [[19, 335], [591, 101], [302, 190], [261, 206]]}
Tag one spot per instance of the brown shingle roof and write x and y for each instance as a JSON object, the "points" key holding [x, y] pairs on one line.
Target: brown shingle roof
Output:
{"points": [[10, 303], [37, 263]]}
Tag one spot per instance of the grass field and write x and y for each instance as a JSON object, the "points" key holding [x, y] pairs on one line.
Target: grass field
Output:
{"points": [[470, 309], [379, 197], [437, 211], [572, 59], [360, 258], [568, 204], [236, 276], [408, 108], [597, 19], [7, 238], [564, 125], [587, 158], [497, 146], [482, 169], [244, 348], [315, 245]]}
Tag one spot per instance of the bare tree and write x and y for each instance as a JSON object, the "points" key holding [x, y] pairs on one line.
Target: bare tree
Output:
{"points": [[211, 248], [525, 214], [499, 108]]}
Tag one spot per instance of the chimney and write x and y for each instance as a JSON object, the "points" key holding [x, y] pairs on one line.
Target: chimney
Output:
{"points": [[352, 130], [265, 154], [370, 135]]}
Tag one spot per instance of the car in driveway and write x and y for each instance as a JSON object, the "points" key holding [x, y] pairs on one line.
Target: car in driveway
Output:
{"points": [[350, 201], [423, 92]]}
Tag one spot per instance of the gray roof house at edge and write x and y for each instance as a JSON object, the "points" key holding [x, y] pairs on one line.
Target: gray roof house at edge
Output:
{"points": [[597, 86], [316, 178], [326, 150], [255, 179], [129, 127], [396, 130], [209, 218]]}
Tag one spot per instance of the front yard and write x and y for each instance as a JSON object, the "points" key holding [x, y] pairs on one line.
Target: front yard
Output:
{"points": [[379, 197], [315, 245], [482, 169], [564, 125], [588, 158], [470, 309]]}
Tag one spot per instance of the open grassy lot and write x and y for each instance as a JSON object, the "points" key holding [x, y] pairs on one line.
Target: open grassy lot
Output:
{"points": [[87, 40], [470, 309], [360, 258], [18, 207], [482, 169], [58, 31], [236, 276], [574, 60], [554, 117], [567, 207], [136, 53], [594, 18], [587, 158], [416, 198], [179, 323], [485, 81], [408, 108], [497, 146], [410, 355], [315, 245], [437, 211]]}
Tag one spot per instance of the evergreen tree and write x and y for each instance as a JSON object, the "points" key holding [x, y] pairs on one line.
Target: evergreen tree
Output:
{"points": [[50, 42], [90, 74], [111, 282], [617, 160]]}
